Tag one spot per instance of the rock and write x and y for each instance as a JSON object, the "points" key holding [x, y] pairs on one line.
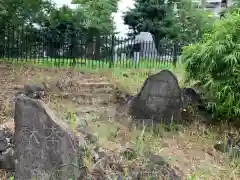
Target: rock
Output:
{"points": [[231, 147], [191, 97], [157, 159], [64, 84], [80, 121], [34, 91], [43, 144], [194, 106], [7, 160], [6, 150], [92, 138], [46, 86], [129, 154], [159, 100], [3, 144]]}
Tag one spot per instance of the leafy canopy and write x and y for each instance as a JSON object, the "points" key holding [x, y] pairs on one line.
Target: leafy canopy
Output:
{"points": [[169, 19], [98, 14], [214, 63]]}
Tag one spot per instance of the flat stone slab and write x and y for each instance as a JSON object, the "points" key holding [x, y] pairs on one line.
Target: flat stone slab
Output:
{"points": [[45, 147]]}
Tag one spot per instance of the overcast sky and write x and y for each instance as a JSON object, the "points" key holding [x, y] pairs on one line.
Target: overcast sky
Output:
{"points": [[123, 5]]}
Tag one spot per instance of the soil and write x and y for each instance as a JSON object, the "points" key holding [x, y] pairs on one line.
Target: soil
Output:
{"points": [[95, 100]]}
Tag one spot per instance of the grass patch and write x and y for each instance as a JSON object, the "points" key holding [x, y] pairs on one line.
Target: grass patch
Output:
{"points": [[94, 64]]}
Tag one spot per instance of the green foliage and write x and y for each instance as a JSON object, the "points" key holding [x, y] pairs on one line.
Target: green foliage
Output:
{"points": [[214, 63], [151, 16], [22, 11], [174, 19], [192, 22], [98, 14]]}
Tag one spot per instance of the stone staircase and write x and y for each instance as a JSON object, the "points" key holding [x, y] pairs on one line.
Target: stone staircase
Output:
{"points": [[93, 97]]}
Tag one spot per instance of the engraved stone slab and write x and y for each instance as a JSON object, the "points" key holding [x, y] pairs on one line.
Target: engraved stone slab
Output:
{"points": [[45, 146]]}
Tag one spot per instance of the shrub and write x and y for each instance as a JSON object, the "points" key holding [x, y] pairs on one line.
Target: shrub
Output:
{"points": [[214, 63]]}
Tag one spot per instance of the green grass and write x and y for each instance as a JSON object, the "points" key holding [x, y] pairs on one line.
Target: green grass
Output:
{"points": [[94, 64]]}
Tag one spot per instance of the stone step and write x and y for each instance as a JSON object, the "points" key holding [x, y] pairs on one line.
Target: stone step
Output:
{"points": [[96, 84], [84, 95], [95, 112], [94, 100]]}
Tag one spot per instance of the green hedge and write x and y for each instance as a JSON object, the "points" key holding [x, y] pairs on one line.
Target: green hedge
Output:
{"points": [[214, 63]]}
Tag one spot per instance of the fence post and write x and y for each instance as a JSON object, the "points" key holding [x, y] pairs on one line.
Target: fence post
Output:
{"points": [[175, 53], [111, 64], [73, 48]]}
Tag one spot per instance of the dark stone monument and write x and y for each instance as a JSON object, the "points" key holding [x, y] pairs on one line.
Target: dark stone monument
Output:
{"points": [[159, 100], [45, 147]]}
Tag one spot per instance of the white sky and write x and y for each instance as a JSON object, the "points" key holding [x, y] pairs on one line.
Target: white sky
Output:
{"points": [[123, 5]]}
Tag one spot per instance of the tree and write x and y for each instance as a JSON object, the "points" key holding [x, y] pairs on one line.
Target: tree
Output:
{"points": [[177, 20], [98, 21], [98, 14], [16, 15], [192, 21], [22, 11], [152, 16], [214, 64], [60, 28]]}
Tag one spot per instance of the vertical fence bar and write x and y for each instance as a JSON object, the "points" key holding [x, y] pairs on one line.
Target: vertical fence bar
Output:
{"points": [[106, 53], [45, 47], [144, 54], [130, 45], [13, 43], [99, 50], [59, 50], [93, 52], [118, 62], [74, 63], [175, 50], [34, 47], [4, 43], [66, 59], [159, 47], [17, 44], [78, 59], [8, 42], [54, 50], [38, 45], [85, 51], [22, 44], [126, 51], [26, 45], [63, 49], [153, 51], [111, 64], [118, 43]]}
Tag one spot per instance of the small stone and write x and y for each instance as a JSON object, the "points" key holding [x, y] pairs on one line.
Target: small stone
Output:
{"points": [[91, 138], [3, 145], [129, 154], [7, 160], [157, 160]]}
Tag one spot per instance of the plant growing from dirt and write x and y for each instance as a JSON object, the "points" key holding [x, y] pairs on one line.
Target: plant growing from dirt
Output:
{"points": [[214, 63]]}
